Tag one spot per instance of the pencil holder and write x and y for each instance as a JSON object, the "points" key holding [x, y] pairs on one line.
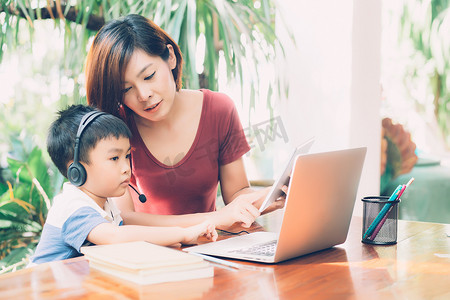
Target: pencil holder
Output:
{"points": [[380, 219]]}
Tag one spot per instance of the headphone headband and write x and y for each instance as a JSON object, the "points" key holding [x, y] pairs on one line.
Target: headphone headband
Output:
{"points": [[87, 119], [76, 173]]}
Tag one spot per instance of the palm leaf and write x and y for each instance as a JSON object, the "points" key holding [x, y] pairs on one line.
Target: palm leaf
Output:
{"points": [[23, 206], [188, 43], [174, 25], [17, 258], [244, 30], [14, 216]]}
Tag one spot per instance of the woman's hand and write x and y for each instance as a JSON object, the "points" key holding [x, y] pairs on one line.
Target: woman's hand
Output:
{"points": [[279, 203], [241, 210], [192, 233]]}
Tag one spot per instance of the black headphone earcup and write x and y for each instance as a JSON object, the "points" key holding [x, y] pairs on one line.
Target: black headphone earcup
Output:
{"points": [[76, 174]]}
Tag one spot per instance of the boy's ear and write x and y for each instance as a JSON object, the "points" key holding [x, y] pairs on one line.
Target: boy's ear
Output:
{"points": [[68, 164], [76, 173], [67, 168], [71, 162]]}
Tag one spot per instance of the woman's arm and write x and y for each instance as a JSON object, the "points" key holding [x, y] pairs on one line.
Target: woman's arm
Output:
{"points": [[234, 184], [131, 217], [233, 180], [241, 201], [240, 211]]}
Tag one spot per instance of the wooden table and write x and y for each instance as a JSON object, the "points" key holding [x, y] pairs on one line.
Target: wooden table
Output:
{"points": [[418, 267]]}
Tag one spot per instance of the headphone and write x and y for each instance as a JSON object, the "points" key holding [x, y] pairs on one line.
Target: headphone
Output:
{"points": [[76, 173]]}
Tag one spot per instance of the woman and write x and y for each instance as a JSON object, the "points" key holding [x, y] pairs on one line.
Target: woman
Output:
{"points": [[184, 141]]}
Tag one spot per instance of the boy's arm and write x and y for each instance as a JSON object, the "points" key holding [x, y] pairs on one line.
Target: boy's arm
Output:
{"points": [[239, 210], [107, 233]]}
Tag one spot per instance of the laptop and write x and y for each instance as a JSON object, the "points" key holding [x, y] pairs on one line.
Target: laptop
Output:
{"points": [[276, 192], [317, 213]]}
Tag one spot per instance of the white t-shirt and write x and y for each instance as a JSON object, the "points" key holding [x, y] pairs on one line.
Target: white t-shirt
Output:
{"points": [[70, 219]]}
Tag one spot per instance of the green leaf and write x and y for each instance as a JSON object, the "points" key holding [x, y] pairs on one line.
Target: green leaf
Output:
{"points": [[191, 42], [174, 27], [24, 10], [3, 186], [38, 169], [16, 166], [14, 216], [18, 255]]}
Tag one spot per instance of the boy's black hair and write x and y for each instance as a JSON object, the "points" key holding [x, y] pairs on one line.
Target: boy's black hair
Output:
{"points": [[63, 131]]}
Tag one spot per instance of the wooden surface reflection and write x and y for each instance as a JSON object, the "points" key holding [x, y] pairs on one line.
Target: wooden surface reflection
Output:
{"points": [[418, 267]]}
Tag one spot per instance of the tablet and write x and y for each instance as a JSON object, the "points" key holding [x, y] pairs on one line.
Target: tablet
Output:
{"points": [[275, 191]]}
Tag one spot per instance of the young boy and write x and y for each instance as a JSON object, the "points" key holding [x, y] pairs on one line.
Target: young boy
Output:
{"points": [[83, 214]]}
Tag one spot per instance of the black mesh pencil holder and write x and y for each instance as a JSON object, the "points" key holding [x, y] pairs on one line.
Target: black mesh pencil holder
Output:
{"points": [[380, 218]]}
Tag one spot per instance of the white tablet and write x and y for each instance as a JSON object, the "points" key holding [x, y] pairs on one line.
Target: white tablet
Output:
{"points": [[275, 191]]}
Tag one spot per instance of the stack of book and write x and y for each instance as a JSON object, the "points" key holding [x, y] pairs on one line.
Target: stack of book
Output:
{"points": [[146, 263]]}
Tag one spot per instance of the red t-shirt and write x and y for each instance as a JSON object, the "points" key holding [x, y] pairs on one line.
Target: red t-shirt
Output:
{"points": [[190, 186]]}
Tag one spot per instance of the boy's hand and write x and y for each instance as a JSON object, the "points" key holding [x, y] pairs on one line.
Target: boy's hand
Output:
{"points": [[192, 233]]}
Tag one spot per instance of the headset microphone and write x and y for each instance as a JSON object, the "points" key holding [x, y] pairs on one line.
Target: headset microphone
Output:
{"points": [[142, 197]]}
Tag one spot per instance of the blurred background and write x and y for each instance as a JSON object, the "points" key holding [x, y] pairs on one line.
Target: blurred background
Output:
{"points": [[350, 73]]}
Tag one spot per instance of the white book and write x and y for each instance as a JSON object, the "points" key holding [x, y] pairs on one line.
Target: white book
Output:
{"points": [[146, 263], [159, 277]]}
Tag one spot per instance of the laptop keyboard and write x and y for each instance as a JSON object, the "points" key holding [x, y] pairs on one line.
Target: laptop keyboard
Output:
{"points": [[264, 249]]}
